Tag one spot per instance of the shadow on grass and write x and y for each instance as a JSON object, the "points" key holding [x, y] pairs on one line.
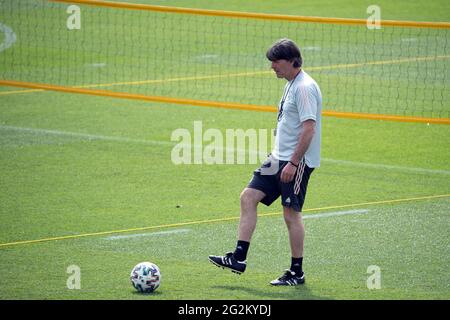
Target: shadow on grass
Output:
{"points": [[154, 293], [301, 292]]}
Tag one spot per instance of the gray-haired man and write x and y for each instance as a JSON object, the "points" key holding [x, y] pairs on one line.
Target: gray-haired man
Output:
{"points": [[287, 170]]}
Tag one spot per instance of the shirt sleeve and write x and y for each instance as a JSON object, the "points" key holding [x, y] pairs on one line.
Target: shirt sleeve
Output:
{"points": [[306, 102]]}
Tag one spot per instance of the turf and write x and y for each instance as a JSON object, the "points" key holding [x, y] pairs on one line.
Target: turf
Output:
{"points": [[74, 165], [340, 250], [57, 184]]}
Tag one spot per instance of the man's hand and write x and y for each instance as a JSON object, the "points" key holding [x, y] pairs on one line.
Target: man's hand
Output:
{"points": [[288, 173], [304, 140]]}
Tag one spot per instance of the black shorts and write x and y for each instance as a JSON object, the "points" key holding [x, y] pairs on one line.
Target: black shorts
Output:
{"points": [[267, 179]]}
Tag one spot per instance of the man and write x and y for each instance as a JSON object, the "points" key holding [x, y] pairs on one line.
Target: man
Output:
{"points": [[287, 170]]}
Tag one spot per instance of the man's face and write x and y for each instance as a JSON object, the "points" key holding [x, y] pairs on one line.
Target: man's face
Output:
{"points": [[283, 68]]}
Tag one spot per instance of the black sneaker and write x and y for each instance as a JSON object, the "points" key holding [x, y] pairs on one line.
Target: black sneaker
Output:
{"points": [[289, 278], [228, 261]]}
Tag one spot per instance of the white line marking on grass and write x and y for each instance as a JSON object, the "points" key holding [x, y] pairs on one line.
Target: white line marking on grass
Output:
{"points": [[238, 150], [409, 39], [385, 166], [116, 139], [336, 213], [159, 233], [312, 48], [198, 222], [147, 234], [97, 65], [10, 37], [207, 56], [85, 135]]}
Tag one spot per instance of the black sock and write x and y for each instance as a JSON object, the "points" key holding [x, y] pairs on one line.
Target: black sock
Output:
{"points": [[241, 250], [296, 265]]}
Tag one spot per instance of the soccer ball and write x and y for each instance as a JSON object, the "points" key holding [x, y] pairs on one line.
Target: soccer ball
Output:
{"points": [[145, 277]]}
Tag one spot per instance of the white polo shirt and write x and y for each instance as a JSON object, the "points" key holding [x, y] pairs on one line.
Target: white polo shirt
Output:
{"points": [[303, 101]]}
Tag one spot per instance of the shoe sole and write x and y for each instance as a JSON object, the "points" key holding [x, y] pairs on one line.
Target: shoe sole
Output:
{"points": [[225, 268], [287, 284]]}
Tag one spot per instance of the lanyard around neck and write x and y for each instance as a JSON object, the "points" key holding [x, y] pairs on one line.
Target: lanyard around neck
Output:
{"points": [[283, 99]]}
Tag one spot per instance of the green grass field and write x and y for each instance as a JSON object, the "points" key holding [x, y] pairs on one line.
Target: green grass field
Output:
{"points": [[78, 171]]}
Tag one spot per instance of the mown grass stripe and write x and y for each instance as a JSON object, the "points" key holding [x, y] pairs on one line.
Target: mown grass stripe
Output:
{"points": [[179, 224]]}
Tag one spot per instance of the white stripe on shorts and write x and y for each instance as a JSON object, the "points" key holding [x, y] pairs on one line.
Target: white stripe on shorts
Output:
{"points": [[299, 176]]}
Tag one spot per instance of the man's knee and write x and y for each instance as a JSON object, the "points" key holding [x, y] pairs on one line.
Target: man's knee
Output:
{"points": [[291, 216], [250, 197]]}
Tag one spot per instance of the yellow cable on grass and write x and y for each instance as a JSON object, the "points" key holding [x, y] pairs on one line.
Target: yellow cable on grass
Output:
{"points": [[180, 224]]}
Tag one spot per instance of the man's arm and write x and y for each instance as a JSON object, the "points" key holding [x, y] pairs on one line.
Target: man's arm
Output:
{"points": [[304, 140]]}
